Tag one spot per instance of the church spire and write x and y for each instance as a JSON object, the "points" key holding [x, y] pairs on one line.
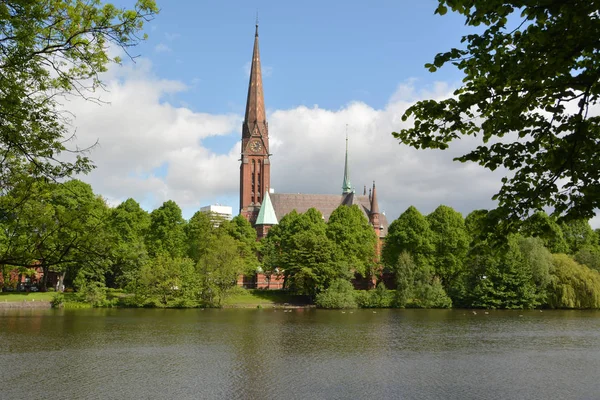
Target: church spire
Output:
{"points": [[374, 204], [255, 118], [346, 185]]}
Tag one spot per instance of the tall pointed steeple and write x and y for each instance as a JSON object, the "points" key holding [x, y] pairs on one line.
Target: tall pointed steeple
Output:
{"points": [[255, 167], [346, 185], [374, 204], [255, 119]]}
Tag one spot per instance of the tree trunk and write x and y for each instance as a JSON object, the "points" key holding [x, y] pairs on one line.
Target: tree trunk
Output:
{"points": [[44, 287], [61, 280]]}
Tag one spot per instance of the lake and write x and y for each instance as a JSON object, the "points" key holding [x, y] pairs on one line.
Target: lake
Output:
{"points": [[302, 354]]}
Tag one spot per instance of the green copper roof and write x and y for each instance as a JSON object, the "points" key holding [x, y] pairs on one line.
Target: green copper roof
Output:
{"points": [[266, 215], [346, 185]]}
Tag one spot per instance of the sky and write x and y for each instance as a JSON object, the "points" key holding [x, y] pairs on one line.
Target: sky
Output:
{"points": [[170, 124]]}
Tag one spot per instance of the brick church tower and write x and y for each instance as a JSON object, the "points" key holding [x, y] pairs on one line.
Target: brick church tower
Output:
{"points": [[255, 165]]}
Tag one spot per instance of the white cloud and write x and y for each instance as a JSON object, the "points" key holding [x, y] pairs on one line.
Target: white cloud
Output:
{"points": [[308, 156], [152, 150], [140, 131]]}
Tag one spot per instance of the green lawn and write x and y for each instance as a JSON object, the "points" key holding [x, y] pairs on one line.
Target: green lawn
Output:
{"points": [[37, 296], [263, 298]]}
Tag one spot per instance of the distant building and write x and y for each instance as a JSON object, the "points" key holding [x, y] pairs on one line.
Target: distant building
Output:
{"points": [[218, 213]]}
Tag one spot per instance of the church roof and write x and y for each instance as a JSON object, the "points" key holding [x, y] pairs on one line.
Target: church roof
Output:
{"points": [[266, 215], [284, 203]]}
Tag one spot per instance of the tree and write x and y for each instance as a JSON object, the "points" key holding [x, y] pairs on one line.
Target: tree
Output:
{"points": [[527, 96], [451, 243], [501, 277], [219, 267], [167, 282], [128, 225], [166, 233], [310, 260], [546, 228], [410, 233], [61, 227], [340, 294], [573, 285], [578, 234], [244, 235], [49, 49], [198, 233], [350, 230]]}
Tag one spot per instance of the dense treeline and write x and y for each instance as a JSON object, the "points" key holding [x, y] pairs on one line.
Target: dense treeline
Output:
{"points": [[161, 260], [158, 257], [441, 259]]}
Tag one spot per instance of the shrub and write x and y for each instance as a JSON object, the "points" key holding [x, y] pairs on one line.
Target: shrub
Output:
{"points": [[381, 297], [58, 300], [340, 294], [431, 295]]}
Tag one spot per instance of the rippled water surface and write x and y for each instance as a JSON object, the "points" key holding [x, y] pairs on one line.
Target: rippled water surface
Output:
{"points": [[303, 354]]}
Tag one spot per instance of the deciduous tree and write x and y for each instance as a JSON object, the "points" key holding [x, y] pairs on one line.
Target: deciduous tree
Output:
{"points": [[531, 79], [49, 49]]}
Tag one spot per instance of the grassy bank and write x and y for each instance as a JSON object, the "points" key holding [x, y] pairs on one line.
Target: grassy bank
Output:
{"points": [[22, 296], [263, 298]]}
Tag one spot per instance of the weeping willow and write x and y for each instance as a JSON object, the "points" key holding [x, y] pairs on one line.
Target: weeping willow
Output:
{"points": [[573, 285]]}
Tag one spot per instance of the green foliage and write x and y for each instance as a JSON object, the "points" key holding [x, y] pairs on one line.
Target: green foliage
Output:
{"points": [[417, 287], [128, 225], [48, 49], [451, 243], [350, 231], [198, 234], [244, 235], [219, 269], [166, 233], [58, 300], [578, 234], [410, 233], [167, 282], [573, 285], [380, 297], [522, 84], [340, 294], [502, 277], [430, 295], [310, 260], [589, 256], [546, 228], [62, 226], [404, 271]]}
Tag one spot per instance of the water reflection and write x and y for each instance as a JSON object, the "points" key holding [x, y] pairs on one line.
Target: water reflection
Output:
{"points": [[271, 354]]}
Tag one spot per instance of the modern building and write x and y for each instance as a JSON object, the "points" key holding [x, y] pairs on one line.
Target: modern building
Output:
{"points": [[264, 209], [218, 213]]}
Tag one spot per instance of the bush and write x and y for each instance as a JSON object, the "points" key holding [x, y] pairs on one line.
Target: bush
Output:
{"points": [[94, 293], [58, 300], [381, 297], [431, 295], [340, 294]]}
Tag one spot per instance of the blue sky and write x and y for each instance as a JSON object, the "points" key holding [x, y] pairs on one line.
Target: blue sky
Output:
{"points": [[172, 126], [314, 52]]}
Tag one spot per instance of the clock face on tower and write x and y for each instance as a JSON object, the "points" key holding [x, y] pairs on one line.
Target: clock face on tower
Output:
{"points": [[255, 146]]}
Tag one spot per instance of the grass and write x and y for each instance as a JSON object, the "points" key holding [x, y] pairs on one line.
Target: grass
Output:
{"points": [[37, 296], [263, 298]]}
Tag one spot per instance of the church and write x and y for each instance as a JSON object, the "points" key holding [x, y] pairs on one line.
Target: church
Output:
{"points": [[264, 208]]}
